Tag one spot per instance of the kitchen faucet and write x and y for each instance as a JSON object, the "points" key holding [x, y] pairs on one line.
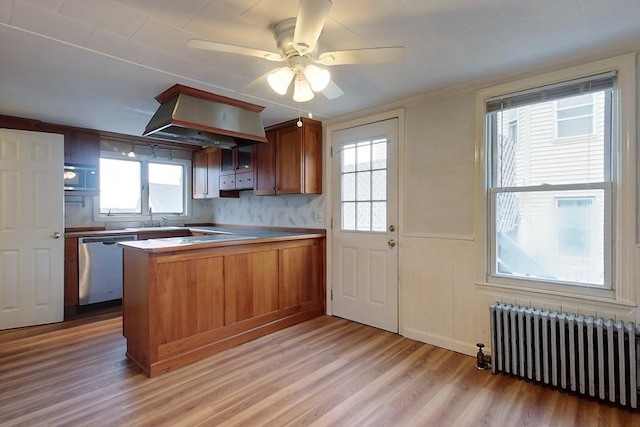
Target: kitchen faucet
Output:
{"points": [[151, 215]]}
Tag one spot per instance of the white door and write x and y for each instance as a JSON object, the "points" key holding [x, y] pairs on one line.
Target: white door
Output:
{"points": [[31, 228], [365, 218]]}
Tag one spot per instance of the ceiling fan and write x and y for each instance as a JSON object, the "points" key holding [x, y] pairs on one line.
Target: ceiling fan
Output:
{"points": [[297, 43]]}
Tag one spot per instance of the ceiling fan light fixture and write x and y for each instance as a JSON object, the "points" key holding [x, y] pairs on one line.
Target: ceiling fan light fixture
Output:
{"points": [[302, 90], [318, 77], [280, 80]]}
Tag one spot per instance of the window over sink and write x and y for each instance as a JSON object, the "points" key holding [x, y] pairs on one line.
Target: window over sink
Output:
{"points": [[145, 188]]}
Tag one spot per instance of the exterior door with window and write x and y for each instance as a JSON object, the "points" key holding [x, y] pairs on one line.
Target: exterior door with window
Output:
{"points": [[365, 255], [31, 228]]}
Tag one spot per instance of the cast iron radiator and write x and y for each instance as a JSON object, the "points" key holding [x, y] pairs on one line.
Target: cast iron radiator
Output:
{"points": [[586, 355]]}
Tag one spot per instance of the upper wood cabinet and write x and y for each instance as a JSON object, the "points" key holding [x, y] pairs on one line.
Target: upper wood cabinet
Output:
{"points": [[82, 147], [238, 160], [291, 162], [236, 169], [206, 175]]}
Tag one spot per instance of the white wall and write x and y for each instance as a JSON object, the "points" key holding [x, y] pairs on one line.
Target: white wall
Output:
{"points": [[443, 298]]}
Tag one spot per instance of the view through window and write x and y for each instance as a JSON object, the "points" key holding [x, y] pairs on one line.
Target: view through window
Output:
{"points": [[550, 183], [133, 186]]}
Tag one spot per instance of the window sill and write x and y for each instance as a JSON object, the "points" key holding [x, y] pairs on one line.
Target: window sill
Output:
{"points": [[598, 296]]}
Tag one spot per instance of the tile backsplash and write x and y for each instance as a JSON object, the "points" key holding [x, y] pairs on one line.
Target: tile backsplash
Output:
{"points": [[303, 211]]}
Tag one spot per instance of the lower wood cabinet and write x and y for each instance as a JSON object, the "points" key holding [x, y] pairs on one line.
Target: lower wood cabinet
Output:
{"points": [[181, 306], [71, 272]]}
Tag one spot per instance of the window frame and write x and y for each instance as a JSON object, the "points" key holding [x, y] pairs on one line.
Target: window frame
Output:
{"points": [[624, 192], [144, 216]]}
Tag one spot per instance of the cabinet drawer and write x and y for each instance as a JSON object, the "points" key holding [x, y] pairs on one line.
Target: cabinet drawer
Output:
{"points": [[227, 182], [244, 180]]}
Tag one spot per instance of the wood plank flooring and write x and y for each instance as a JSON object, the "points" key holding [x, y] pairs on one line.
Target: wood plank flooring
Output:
{"points": [[324, 372]]}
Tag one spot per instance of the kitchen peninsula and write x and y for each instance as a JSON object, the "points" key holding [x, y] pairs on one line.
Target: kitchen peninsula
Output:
{"points": [[185, 298]]}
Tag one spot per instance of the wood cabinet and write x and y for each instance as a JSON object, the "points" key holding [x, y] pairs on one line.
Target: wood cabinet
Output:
{"points": [[207, 180], [82, 147], [236, 169], [70, 275], [291, 162], [184, 305], [71, 272], [206, 175]]}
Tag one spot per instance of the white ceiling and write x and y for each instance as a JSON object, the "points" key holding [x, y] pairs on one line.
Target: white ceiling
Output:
{"points": [[99, 63]]}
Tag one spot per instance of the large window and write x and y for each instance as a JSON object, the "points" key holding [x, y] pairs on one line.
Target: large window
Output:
{"points": [[131, 187], [550, 204]]}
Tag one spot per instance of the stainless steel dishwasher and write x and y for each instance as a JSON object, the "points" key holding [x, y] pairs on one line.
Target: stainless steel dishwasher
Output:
{"points": [[100, 268]]}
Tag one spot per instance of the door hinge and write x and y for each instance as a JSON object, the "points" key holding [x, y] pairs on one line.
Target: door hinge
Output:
{"points": [[331, 294], [331, 151], [332, 223]]}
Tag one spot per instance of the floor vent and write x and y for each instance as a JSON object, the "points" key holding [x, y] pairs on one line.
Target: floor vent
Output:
{"points": [[590, 356]]}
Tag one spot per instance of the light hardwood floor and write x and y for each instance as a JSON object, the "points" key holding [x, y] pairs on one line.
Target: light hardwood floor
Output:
{"points": [[324, 372]]}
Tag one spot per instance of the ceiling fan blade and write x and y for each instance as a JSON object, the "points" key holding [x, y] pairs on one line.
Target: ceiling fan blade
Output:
{"points": [[363, 56], [312, 14], [332, 90], [239, 50]]}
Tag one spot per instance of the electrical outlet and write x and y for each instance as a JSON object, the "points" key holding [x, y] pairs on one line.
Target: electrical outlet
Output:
{"points": [[249, 212], [319, 216]]}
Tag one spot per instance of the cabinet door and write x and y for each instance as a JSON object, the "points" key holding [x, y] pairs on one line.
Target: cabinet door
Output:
{"points": [[264, 166], [82, 147], [244, 159], [227, 162], [251, 285], [199, 169], [213, 172], [70, 274], [302, 276], [288, 161]]}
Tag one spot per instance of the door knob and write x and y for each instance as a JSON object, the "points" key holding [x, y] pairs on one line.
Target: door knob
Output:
{"points": [[391, 243], [56, 235]]}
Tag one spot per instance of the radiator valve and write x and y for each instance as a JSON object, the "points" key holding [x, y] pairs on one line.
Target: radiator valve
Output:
{"points": [[483, 361]]}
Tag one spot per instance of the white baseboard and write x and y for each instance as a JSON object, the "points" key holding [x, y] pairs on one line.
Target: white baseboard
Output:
{"points": [[440, 341]]}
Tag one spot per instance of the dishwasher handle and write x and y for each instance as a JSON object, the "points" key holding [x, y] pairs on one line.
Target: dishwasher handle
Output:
{"points": [[108, 240]]}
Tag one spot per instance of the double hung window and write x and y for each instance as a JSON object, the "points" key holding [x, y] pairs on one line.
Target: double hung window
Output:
{"points": [[550, 198], [134, 187]]}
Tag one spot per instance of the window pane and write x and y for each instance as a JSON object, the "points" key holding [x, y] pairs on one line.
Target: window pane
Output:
{"points": [[368, 183], [379, 151], [349, 216], [585, 110], [575, 127], [379, 185], [348, 186], [555, 235], [166, 188], [349, 158], [379, 216], [364, 156], [363, 216], [364, 186], [120, 186], [536, 156]]}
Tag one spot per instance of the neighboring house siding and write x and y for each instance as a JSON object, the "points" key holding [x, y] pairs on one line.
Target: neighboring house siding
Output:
{"points": [[542, 158]]}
